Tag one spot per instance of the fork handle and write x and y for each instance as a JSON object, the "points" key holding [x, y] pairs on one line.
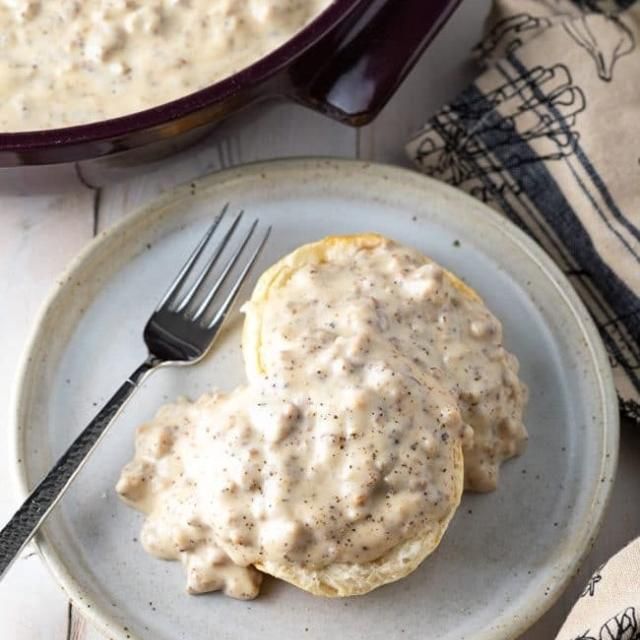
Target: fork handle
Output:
{"points": [[28, 518]]}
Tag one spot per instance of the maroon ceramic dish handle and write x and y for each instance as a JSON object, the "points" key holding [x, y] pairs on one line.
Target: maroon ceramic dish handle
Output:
{"points": [[367, 64], [347, 63]]}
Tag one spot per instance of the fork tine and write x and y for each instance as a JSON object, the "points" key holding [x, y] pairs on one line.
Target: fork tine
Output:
{"points": [[225, 272], [221, 314], [206, 270], [183, 274]]}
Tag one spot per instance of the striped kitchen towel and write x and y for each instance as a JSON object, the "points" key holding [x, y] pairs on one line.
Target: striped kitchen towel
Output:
{"points": [[549, 135]]}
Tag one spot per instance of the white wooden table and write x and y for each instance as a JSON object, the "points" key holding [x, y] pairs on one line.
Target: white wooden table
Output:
{"points": [[40, 234]]}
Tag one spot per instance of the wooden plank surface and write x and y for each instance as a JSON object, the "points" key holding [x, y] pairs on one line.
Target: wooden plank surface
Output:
{"points": [[268, 131], [35, 245], [39, 235]]}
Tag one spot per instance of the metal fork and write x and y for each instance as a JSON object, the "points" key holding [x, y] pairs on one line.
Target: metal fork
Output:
{"points": [[179, 332]]}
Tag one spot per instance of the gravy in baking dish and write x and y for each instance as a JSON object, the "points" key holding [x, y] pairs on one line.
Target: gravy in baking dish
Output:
{"points": [[72, 62]]}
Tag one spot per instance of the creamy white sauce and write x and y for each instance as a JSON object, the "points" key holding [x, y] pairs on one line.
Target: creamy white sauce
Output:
{"points": [[70, 62], [378, 369]]}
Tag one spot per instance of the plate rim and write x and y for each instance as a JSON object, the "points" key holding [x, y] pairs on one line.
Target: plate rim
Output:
{"points": [[402, 178]]}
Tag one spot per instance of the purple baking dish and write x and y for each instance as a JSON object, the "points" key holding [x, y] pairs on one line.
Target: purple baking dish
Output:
{"points": [[346, 64]]}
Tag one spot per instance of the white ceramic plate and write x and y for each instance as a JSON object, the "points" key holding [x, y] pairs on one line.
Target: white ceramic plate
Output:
{"points": [[506, 556]]}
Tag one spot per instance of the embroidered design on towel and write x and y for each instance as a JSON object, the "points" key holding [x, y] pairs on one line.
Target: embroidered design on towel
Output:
{"points": [[449, 146], [590, 588], [510, 34], [605, 38], [623, 626]]}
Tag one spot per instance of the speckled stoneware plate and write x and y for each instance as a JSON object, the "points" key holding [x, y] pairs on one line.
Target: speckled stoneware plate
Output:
{"points": [[506, 556]]}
